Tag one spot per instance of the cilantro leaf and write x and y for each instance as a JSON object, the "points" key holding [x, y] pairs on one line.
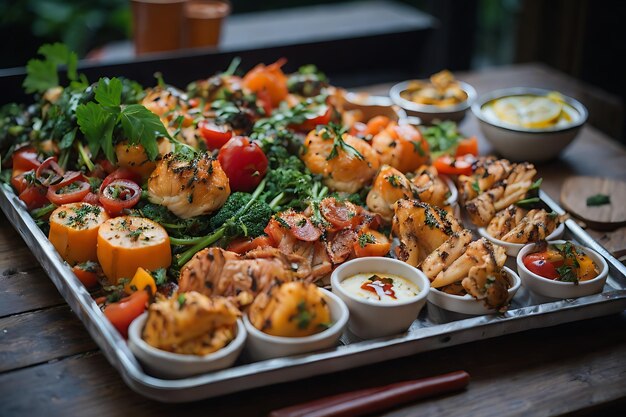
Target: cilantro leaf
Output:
{"points": [[97, 125], [109, 92], [60, 54], [42, 75], [142, 126]]}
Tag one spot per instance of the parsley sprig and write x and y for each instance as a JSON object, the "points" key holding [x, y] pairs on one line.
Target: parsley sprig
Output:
{"points": [[336, 132], [99, 121], [42, 73]]}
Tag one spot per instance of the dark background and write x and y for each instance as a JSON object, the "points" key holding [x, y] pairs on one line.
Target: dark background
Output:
{"points": [[582, 38]]}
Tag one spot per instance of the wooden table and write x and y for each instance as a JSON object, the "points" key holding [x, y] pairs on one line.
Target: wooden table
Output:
{"points": [[50, 366]]}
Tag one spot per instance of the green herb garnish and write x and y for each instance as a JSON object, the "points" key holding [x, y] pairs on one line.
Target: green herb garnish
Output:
{"points": [[366, 239], [598, 200]]}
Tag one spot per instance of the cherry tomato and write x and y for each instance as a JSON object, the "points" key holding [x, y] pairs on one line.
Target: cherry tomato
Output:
{"points": [[120, 173], [244, 163], [537, 263], [123, 312], [49, 172], [34, 196], [447, 164], [25, 159], [243, 245], [467, 146], [87, 273], [269, 78], [118, 195], [310, 124], [215, 136], [68, 193]]}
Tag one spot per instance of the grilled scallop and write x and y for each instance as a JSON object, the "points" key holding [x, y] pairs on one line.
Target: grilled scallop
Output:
{"points": [[188, 187], [421, 229], [389, 186], [347, 163], [191, 323]]}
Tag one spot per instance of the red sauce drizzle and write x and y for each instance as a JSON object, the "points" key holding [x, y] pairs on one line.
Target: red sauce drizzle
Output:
{"points": [[379, 286]]}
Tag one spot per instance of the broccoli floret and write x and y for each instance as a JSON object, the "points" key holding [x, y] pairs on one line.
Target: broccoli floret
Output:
{"points": [[250, 223], [175, 226]]}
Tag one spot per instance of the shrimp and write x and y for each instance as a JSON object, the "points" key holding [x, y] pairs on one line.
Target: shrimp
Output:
{"points": [[389, 186], [347, 163], [188, 187], [403, 147]]}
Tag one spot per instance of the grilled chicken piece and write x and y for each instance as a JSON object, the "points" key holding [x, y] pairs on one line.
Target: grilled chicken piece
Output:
{"points": [[446, 254], [401, 147], [481, 253], [533, 227], [484, 207], [347, 163], [421, 229], [429, 186], [487, 171], [389, 186], [214, 271], [188, 187], [314, 253], [487, 284], [505, 220], [199, 325]]}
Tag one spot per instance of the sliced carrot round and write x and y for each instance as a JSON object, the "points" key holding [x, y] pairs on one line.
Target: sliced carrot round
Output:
{"points": [[126, 243]]}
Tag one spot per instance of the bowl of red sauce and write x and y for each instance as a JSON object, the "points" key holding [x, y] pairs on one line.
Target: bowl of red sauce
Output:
{"points": [[561, 269]]}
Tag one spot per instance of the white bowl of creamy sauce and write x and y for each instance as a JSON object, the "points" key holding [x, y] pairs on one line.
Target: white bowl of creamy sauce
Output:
{"points": [[384, 295]]}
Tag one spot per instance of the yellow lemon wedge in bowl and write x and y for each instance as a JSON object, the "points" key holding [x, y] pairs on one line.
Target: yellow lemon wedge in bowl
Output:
{"points": [[529, 124]]}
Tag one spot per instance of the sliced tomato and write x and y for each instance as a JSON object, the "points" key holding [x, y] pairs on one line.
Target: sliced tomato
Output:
{"points": [[92, 198], [20, 182], [538, 264], [118, 195], [310, 124], [300, 226], [340, 214], [243, 245], [49, 172], [215, 136], [123, 312], [371, 243], [87, 273], [34, 196], [120, 174], [450, 165], [25, 159], [68, 193], [467, 146], [244, 163]]}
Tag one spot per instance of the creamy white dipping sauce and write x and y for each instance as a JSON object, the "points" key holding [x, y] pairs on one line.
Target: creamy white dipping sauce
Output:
{"points": [[378, 286]]}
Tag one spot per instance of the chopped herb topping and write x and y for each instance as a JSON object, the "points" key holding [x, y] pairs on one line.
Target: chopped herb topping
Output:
{"points": [[181, 300], [303, 316], [366, 239], [598, 200]]}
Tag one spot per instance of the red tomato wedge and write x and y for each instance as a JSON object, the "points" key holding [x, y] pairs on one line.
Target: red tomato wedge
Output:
{"points": [[25, 159], [49, 172], [300, 226], [244, 163], [467, 146], [310, 124], [122, 313], [92, 198], [34, 196], [118, 195], [449, 165], [20, 182], [215, 136], [538, 264], [87, 273], [243, 245], [68, 193]]}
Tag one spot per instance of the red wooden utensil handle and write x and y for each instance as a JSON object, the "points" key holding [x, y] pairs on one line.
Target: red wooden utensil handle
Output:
{"points": [[357, 403]]}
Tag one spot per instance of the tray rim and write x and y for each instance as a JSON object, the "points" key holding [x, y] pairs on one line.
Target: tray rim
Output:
{"points": [[278, 370]]}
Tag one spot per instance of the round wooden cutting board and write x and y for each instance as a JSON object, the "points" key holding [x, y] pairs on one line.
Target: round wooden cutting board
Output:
{"points": [[575, 192]]}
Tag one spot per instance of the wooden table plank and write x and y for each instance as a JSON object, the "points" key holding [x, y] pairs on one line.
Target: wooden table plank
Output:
{"points": [[553, 370], [26, 291], [32, 338]]}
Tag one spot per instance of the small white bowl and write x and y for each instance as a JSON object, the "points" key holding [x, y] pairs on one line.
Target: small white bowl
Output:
{"points": [[170, 365], [524, 144], [468, 304], [453, 200], [429, 113], [261, 346], [512, 249], [557, 289], [370, 318]]}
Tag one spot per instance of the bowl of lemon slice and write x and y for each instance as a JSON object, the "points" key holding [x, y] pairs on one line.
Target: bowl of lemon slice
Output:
{"points": [[529, 124]]}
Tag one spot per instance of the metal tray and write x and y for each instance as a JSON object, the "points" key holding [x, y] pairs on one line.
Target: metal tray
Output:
{"points": [[433, 329]]}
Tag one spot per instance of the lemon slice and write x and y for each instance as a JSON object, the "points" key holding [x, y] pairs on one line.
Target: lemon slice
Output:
{"points": [[528, 111]]}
